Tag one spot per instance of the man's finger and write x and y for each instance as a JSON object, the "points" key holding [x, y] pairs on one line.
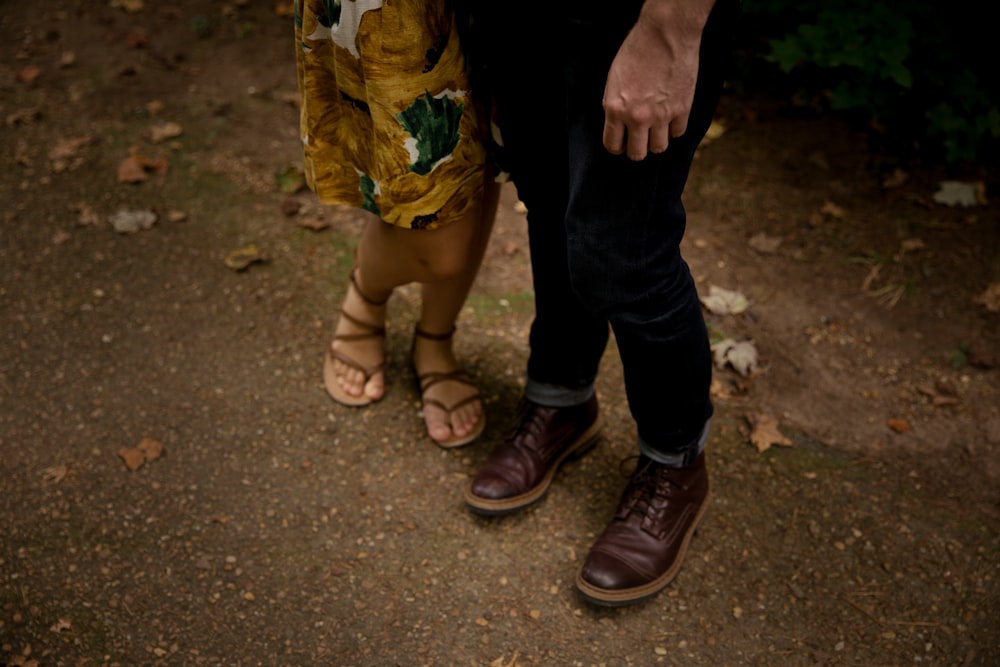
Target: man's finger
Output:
{"points": [[659, 138], [638, 143], [678, 126], [614, 137]]}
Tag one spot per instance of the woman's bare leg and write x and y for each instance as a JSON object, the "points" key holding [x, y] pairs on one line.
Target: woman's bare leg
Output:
{"points": [[441, 303], [445, 261]]}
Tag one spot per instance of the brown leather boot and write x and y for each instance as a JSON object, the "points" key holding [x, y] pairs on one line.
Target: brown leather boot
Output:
{"points": [[519, 471], [642, 548]]}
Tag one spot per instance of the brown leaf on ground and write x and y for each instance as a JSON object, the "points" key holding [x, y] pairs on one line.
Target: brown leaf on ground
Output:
{"points": [[990, 298], [60, 626], [85, 214], [148, 449], [130, 170], [291, 206], [24, 116], [65, 155], [241, 258], [29, 74], [134, 168], [764, 244], [132, 456], [313, 222], [55, 474], [22, 154], [130, 6], [833, 211], [764, 433], [160, 132], [151, 448], [499, 662], [137, 38], [895, 179], [898, 424]]}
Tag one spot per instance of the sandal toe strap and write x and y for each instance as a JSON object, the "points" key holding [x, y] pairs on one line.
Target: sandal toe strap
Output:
{"points": [[348, 361]]}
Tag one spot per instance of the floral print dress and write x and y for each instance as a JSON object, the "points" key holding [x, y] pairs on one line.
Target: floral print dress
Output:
{"points": [[387, 119]]}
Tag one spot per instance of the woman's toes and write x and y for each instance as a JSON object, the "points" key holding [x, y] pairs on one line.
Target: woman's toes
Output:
{"points": [[437, 424]]}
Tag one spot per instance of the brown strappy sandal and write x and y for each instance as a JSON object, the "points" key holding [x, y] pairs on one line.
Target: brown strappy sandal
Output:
{"points": [[371, 331], [428, 380]]}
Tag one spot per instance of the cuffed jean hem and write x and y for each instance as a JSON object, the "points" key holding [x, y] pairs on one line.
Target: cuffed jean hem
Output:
{"points": [[680, 458], [554, 396]]}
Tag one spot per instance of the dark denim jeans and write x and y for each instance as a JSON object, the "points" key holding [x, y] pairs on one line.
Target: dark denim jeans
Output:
{"points": [[605, 231]]}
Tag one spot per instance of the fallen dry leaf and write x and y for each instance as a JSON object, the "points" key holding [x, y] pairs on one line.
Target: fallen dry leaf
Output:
{"points": [[715, 130], [290, 206], [162, 131], [899, 425], [137, 38], [130, 170], [940, 395], [85, 214], [767, 245], [130, 6], [832, 210], [741, 356], [957, 193], [764, 433], [499, 662], [134, 168], [990, 298], [241, 258], [151, 448], [23, 116], [148, 449], [23, 661], [897, 178], [22, 154], [313, 222], [29, 74], [65, 155], [721, 301], [130, 222], [132, 456], [61, 625], [55, 474]]}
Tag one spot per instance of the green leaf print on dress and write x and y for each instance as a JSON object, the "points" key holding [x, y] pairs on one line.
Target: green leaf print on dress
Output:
{"points": [[368, 188], [331, 16], [432, 123]]}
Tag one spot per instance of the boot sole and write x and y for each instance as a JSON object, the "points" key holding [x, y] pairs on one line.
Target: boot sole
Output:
{"points": [[490, 507]]}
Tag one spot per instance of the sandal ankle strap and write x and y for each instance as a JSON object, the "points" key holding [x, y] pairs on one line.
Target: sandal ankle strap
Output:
{"points": [[420, 333], [364, 297]]}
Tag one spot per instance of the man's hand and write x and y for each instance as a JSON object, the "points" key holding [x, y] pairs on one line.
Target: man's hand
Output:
{"points": [[650, 88]]}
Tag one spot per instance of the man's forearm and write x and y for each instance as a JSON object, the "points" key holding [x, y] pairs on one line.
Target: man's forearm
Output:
{"points": [[677, 20]]}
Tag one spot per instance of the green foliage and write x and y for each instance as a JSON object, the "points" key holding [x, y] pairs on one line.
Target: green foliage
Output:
{"points": [[918, 69]]}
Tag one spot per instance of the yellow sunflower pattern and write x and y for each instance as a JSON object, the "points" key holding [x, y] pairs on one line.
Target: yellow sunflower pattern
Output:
{"points": [[387, 120]]}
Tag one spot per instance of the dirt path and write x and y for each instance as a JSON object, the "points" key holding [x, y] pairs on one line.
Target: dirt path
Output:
{"points": [[277, 529]]}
